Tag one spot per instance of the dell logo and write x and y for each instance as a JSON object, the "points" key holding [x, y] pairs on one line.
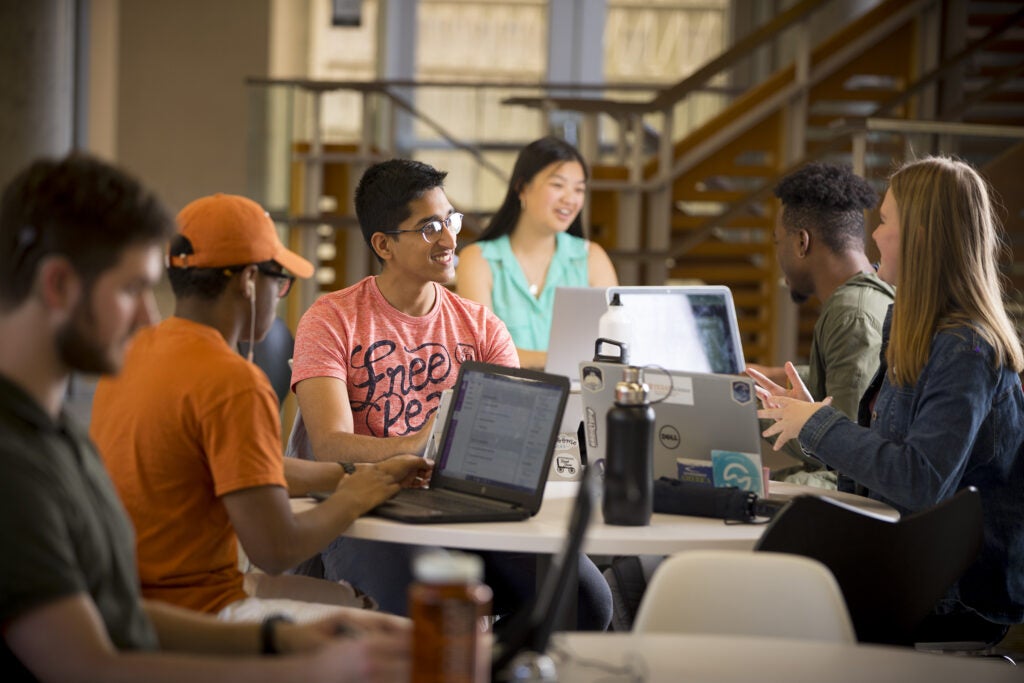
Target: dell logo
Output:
{"points": [[669, 436]]}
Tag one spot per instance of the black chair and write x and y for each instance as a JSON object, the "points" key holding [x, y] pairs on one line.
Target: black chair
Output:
{"points": [[891, 573], [272, 354]]}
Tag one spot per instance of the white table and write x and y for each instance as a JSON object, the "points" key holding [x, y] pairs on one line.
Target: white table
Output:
{"points": [[545, 532], [734, 659]]}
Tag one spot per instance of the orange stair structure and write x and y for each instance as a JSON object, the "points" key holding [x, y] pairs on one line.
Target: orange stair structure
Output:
{"points": [[701, 206]]}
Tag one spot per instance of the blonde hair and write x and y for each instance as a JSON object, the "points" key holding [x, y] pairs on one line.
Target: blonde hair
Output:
{"points": [[948, 265]]}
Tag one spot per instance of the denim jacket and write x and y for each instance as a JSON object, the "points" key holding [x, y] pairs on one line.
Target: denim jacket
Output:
{"points": [[961, 424]]}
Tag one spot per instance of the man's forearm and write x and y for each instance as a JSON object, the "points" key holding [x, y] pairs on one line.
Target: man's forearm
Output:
{"points": [[182, 630], [307, 476], [345, 447]]}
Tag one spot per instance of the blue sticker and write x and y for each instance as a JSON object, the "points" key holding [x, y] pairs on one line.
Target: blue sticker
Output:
{"points": [[737, 469], [741, 392]]}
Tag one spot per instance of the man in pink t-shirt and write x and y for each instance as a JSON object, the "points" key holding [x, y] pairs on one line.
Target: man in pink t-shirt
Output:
{"points": [[371, 361]]}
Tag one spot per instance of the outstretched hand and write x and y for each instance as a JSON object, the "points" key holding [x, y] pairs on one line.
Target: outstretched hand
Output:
{"points": [[775, 373], [790, 415], [767, 389]]}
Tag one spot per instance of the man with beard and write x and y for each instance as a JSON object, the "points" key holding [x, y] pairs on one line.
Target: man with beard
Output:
{"points": [[80, 251], [819, 243]]}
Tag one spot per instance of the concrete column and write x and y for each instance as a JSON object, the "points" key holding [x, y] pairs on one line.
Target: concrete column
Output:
{"points": [[396, 59], [575, 55], [37, 42]]}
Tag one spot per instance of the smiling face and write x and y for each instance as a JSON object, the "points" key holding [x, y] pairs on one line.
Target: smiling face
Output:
{"points": [[412, 257], [887, 237], [554, 197], [119, 302]]}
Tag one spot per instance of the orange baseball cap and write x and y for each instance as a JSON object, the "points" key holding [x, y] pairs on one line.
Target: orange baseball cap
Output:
{"points": [[230, 230]]}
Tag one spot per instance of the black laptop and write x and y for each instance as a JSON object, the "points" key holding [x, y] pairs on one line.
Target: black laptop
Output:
{"points": [[492, 461]]}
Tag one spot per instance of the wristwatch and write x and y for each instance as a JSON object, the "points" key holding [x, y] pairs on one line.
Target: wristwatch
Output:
{"points": [[268, 644], [348, 467]]}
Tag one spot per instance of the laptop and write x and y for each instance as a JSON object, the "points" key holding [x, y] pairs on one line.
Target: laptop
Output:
{"points": [[437, 428], [703, 412], [496, 446], [683, 327], [574, 323], [530, 628]]}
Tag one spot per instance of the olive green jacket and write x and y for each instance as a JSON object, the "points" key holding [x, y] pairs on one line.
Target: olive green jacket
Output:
{"points": [[845, 347]]}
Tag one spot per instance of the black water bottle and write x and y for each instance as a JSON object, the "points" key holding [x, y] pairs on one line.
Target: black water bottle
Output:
{"points": [[628, 466]]}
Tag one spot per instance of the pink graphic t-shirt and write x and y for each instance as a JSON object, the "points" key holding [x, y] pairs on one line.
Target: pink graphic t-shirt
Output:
{"points": [[395, 365]]}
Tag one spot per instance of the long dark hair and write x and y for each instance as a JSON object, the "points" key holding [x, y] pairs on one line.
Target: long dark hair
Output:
{"points": [[533, 159]]}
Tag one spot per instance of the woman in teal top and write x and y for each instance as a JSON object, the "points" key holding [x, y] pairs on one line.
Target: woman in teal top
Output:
{"points": [[533, 245]]}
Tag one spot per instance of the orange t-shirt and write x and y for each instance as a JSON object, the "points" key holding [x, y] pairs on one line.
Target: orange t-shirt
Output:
{"points": [[186, 421], [394, 365]]}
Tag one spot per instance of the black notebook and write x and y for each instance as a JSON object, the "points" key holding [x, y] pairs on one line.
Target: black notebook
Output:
{"points": [[492, 461]]}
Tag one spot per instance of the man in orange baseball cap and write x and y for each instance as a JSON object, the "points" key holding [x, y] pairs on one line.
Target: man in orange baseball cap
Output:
{"points": [[190, 431]]}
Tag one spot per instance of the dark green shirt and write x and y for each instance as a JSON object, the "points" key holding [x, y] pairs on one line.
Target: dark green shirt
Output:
{"points": [[63, 530], [845, 346]]}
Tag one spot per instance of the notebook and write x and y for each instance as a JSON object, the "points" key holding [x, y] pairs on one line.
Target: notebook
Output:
{"points": [[574, 320], [496, 446], [530, 628], [704, 412], [683, 327]]}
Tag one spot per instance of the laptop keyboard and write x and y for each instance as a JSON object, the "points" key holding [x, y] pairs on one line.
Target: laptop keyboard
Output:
{"points": [[441, 500]]}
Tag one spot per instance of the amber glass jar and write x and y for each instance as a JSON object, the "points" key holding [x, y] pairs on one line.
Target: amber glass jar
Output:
{"points": [[450, 608]]}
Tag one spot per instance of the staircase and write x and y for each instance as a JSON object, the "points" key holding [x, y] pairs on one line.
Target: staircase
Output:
{"points": [[991, 91], [701, 207], [723, 210]]}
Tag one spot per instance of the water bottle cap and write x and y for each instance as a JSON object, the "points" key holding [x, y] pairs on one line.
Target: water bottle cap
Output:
{"points": [[632, 390], [448, 567]]}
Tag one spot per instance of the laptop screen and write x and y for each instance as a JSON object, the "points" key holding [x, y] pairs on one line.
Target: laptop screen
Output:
{"points": [[574, 329], [683, 328], [499, 430]]}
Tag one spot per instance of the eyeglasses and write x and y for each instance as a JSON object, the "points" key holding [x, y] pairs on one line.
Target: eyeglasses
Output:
{"points": [[284, 280], [432, 231]]}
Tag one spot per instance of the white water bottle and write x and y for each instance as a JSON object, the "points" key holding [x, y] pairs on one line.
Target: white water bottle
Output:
{"points": [[615, 324]]}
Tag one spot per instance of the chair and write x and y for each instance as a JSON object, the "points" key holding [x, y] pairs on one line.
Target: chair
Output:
{"points": [[737, 592], [891, 573], [272, 354]]}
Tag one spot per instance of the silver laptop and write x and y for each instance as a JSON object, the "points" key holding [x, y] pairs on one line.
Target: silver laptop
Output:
{"points": [[574, 322], [690, 328], [677, 327], [496, 447], [437, 429], [703, 412]]}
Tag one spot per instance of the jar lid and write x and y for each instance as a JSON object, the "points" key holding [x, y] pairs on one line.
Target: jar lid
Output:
{"points": [[448, 567]]}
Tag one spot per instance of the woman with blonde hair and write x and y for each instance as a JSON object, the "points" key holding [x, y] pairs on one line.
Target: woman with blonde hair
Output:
{"points": [[534, 244], [945, 409]]}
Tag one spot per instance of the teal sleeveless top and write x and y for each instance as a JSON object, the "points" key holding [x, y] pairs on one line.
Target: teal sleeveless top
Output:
{"points": [[528, 318]]}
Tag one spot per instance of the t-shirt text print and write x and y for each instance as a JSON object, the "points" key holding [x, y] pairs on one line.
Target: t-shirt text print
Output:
{"points": [[395, 366], [400, 391]]}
